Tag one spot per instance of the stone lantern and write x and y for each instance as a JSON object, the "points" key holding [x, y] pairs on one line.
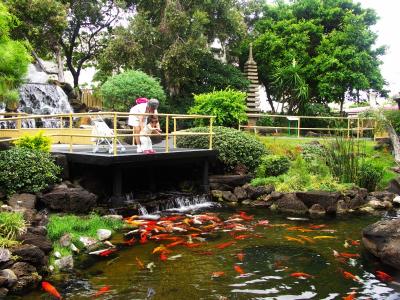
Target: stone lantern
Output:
{"points": [[253, 96]]}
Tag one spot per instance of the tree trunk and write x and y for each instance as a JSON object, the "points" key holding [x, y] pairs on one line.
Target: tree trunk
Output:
{"points": [[60, 65], [271, 103], [341, 105]]}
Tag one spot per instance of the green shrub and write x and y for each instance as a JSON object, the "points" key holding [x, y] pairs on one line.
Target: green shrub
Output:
{"points": [[369, 175], [265, 121], [234, 147], [259, 181], [393, 116], [11, 225], [311, 152], [120, 91], [228, 107], [26, 170], [36, 142], [273, 165]]}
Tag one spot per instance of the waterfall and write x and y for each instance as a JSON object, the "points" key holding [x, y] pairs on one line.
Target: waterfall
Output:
{"points": [[188, 203]]}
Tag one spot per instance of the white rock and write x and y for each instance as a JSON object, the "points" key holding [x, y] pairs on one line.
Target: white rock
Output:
{"points": [[115, 217], [396, 200], [74, 248], [103, 234], [57, 254], [51, 268], [65, 263], [87, 241], [5, 255]]}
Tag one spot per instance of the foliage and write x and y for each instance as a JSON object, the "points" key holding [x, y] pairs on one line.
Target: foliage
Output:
{"points": [[316, 51], [36, 142], [360, 104], [369, 175], [228, 107], [234, 147], [314, 151], [264, 181], [265, 121], [273, 165], [120, 91], [344, 157], [6, 243], [14, 58], [12, 224], [393, 116], [26, 171]]}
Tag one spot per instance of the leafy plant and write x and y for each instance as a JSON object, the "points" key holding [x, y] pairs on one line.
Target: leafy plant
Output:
{"points": [[265, 121], [260, 181], [120, 91], [228, 107], [234, 147], [36, 142], [6, 243], [393, 116], [369, 175], [273, 165], [311, 152], [26, 170], [12, 224]]}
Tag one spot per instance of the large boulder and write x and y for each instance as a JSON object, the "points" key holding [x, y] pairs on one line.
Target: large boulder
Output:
{"points": [[73, 200], [38, 240], [382, 239], [28, 278], [22, 201], [394, 186], [255, 192], [327, 200], [289, 203], [30, 254]]}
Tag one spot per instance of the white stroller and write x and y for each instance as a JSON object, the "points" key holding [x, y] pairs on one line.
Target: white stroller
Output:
{"points": [[100, 128]]}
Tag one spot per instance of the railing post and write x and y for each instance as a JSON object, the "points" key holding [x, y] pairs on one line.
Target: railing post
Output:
{"points": [[70, 132], [19, 121], [167, 134], [115, 135], [174, 132], [298, 128], [211, 133], [358, 128], [348, 128]]}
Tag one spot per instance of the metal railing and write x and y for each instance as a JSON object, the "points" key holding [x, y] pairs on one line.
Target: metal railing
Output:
{"points": [[361, 125], [69, 133]]}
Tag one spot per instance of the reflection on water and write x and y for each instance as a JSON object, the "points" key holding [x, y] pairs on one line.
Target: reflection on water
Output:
{"points": [[268, 262]]}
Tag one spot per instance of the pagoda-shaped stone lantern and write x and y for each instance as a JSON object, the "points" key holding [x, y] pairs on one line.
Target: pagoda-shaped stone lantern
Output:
{"points": [[253, 96]]}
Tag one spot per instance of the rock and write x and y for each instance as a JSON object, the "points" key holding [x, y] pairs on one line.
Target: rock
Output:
{"points": [[357, 202], [367, 210], [216, 195], [114, 217], [394, 186], [88, 243], [383, 195], [22, 200], [29, 215], [376, 204], [255, 192], [246, 202], [289, 203], [5, 255], [62, 161], [317, 211], [65, 263], [22, 269], [31, 254], [382, 239], [275, 196], [75, 200], [230, 180], [65, 240], [220, 186], [240, 193], [7, 278], [261, 203], [28, 278], [103, 234], [57, 254], [5, 145], [5, 207], [37, 240], [327, 200], [396, 200], [229, 196], [3, 292], [38, 230]]}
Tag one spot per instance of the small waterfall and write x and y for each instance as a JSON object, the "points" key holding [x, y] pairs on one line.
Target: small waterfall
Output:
{"points": [[188, 203]]}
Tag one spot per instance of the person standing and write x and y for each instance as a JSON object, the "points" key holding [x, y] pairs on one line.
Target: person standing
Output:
{"points": [[138, 122]]}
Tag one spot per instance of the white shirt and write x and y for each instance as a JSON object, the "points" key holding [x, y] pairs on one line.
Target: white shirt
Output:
{"points": [[138, 109]]}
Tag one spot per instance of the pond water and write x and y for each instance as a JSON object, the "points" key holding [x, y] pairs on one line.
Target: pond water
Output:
{"points": [[270, 254]]}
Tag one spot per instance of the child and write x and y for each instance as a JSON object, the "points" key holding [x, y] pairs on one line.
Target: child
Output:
{"points": [[152, 127]]}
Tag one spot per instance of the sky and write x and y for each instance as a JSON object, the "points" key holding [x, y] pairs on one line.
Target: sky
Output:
{"points": [[386, 28]]}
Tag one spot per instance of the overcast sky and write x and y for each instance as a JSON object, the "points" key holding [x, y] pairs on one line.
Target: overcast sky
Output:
{"points": [[388, 11]]}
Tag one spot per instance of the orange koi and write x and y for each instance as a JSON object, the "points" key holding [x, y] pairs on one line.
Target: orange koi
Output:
{"points": [[350, 296], [383, 276], [301, 275], [195, 229], [102, 290], [355, 243], [159, 249], [50, 289], [240, 256], [139, 263], [160, 236], [289, 238], [217, 274], [224, 245], [143, 238], [172, 218], [238, 269], [307, 239], [193, 245], [181, 241], [350, 276], [349, 255], [186, 221], [242, 237], [107, 252], [317, 226], [245, 216], [130, 242], [263, 223], [320, 237], [164, 256], [206, 253]]}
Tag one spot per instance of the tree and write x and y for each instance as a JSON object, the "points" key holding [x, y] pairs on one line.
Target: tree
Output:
{"points": [[14, 58], [332, 44]]}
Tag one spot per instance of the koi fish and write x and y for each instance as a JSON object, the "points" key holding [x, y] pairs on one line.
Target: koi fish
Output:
{"points": [[159, 249], [317, 226], [50, 289], [307, 239], [238, 269], [143, 238], [217, 274], [355, 243], [240, 256], [160, 236], [324, 237], [383, 276], [350, 296], [289, 238], [175, 257], [163, 256], [224, 245], [102, 290], [349, 255], [139, 263], [193, 245], [107, 252], [130, 242], [245, 216], [301, 275], [186, 221], [242, 237], [181, 241], [348, 275], [195, 229], [263, 223]]}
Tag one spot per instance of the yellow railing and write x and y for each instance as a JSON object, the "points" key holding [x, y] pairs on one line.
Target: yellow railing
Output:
{"points": [[362, 124], [71, 131]]}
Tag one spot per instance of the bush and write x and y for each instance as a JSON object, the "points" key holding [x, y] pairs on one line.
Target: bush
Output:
{"points": [[26, 170], [273, 165], [369, 175], [312, 152], [393, 116], [36, 142], [234, 147], [266, 181], [120, 91], [265, 121], [228, 107], [11, 225]]}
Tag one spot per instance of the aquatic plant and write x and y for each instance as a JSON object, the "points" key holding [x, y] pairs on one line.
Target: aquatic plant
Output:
{"points": [[12, 224]]}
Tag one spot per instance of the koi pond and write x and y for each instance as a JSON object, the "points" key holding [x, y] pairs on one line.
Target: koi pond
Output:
{"points": [[231, 254]]}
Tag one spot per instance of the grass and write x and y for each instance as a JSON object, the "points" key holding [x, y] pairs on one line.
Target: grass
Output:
{"points": [[11, 225]]}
